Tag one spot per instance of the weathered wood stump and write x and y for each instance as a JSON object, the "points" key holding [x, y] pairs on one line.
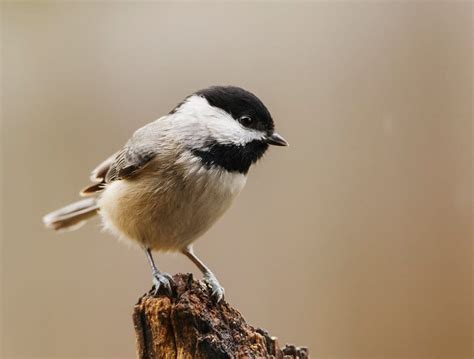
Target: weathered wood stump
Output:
{"points": [[189, 324]]}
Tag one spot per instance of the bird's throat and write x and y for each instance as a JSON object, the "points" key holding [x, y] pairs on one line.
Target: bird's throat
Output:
{"points": [[232, 158]]}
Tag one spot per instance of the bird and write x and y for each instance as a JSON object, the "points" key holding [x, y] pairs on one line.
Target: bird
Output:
{"points": [[176, 176]]}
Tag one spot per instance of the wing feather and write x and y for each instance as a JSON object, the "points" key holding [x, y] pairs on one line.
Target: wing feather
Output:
{"points": [[127, 162]]}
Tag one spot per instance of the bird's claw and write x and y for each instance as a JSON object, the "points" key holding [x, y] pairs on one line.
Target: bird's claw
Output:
{"points": [[162, 280], [217, 291]]}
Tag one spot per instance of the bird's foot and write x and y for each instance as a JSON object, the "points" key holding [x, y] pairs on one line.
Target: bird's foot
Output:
{"points": [[217, 291], [162, 280]]}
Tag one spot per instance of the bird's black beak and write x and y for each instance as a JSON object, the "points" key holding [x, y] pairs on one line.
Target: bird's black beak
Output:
{"points": [[276, 139]]}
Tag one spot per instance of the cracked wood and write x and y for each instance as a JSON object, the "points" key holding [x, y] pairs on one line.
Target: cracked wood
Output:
{"points": [[189, 324]]}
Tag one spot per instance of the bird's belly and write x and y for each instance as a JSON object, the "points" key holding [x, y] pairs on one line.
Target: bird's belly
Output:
{"points": [[168, 214]]}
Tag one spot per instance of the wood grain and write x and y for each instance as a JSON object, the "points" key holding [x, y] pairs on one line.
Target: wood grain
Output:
{"points": [[190, 324]]}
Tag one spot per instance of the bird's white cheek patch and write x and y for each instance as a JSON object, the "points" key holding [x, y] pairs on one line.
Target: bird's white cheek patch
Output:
{"points": [[226, 130], [220, 125]]}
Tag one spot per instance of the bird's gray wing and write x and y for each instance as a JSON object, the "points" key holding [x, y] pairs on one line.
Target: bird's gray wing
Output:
{"points": [[128, 162], [98, 174], [134, 156]]}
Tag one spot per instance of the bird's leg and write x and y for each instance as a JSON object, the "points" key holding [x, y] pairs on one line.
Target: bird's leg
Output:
{"points": [[209, 277], [158, 278]]}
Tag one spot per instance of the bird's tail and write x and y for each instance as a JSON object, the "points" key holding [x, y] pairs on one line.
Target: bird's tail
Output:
{"points": [[72, 216]]}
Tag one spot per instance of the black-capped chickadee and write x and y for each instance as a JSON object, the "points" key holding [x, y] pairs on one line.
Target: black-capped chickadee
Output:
{"points": [[177, 175]]}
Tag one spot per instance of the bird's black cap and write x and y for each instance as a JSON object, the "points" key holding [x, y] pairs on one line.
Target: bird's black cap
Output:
{"points": [[238, 103]]}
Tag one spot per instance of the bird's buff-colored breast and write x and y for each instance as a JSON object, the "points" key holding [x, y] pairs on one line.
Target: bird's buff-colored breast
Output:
{"points": [[166, 207]]}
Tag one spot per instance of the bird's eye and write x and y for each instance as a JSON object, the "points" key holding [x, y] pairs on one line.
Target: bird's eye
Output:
{"points": [[246, 121]]}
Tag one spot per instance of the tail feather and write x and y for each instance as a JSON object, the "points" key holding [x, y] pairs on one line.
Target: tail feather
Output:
{"points": [[71, 216]]}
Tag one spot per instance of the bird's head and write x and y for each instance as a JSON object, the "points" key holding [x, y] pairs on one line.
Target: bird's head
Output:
{"points": [[232, 128]]}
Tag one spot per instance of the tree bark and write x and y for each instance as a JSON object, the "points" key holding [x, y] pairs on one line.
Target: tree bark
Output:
{"points": [[189, 324]]}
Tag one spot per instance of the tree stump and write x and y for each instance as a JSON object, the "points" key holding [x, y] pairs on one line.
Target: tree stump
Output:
{"points": [[190, 324]]}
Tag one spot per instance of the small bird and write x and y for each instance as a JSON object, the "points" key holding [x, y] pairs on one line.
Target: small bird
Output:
{"points": [[177, 175]]}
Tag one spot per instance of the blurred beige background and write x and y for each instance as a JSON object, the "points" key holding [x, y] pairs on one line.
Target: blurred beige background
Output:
{"points": [[355, 241]]}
